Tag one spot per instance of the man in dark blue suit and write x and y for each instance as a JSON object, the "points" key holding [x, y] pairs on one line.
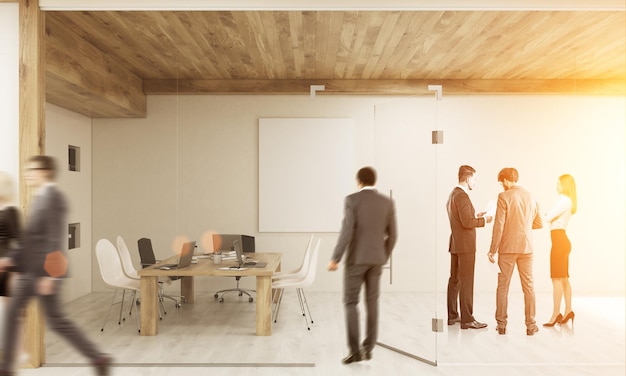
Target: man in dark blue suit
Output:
{"points": [[368, 233], [462, 248], [41, 265]]}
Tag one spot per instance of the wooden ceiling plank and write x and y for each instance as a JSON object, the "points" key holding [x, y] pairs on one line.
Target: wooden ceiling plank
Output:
{"points": [[297, 42], [322, 34], [196, 44], [333, 43], [247, 25], [309, 38], [345, 46], [286, 43]]}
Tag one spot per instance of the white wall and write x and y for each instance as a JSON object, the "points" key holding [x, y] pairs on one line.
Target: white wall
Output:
{"points": [[191, 167], [9, 89], [65, 128]]}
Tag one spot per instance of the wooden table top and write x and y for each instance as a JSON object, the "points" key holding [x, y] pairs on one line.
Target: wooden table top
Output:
{"points": [[206, 267]]}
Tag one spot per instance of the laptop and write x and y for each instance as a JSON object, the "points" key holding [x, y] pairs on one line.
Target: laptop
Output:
{"points": [[241, 258], [184, 260]]}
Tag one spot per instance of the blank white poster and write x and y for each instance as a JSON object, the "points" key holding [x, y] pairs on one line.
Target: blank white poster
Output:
{"points": [[306, 168]]}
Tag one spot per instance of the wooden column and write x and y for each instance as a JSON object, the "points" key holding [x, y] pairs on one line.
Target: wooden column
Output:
{"points": [[32, 141]]}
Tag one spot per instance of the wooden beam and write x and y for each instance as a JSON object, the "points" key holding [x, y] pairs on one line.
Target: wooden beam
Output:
{"points": [[32, 141], [386, 87], [83, 79]]}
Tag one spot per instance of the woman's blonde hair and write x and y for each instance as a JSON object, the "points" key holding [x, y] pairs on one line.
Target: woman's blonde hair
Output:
{"points": [[568, 188], [7, 188]]}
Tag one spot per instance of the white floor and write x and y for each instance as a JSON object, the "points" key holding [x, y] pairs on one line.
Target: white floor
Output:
{"points": [[218, 339]]}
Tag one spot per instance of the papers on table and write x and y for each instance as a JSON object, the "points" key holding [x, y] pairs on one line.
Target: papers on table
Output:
{"points": [[232, 268]]}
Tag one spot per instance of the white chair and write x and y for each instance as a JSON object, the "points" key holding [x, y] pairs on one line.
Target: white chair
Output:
{"points": [[127, 262], [278, 286], [113, 275], [301, 270], [131, 272]]}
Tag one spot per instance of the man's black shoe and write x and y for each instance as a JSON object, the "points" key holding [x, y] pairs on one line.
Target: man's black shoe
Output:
{"points": [[454, 321], [366, 354], [103, 365], [352, 358], [473, 325]]}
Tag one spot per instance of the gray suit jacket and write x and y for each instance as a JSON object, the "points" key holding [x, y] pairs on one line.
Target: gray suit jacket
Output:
{"points": [[44, 231], [368, 230], [463, 222], [516, 215]]}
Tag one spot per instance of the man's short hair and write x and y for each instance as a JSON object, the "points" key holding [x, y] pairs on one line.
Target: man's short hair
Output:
{"points": [[45, 162], [465, 172], [366, 176], [508, 173]]}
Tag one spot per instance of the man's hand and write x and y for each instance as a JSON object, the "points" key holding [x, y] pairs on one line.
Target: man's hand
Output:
{"points": [[45, 286], [332, 266], [491, 257], [488, 219], [5, 262]]}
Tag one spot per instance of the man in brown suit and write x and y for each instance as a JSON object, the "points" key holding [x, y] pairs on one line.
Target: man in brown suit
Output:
{"points": [[368, 233], [462, 248], [517, 214]]}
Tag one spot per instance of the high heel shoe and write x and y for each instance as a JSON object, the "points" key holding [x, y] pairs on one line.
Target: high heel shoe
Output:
{"points": [[566, 318], [557, 320]]}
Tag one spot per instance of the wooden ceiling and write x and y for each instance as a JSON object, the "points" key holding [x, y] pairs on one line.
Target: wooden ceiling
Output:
{"points": [[101, 63]]}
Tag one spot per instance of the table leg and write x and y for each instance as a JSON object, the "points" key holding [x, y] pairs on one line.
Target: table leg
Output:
{"points": [[149, 306], [187, 289], [263, 306]]}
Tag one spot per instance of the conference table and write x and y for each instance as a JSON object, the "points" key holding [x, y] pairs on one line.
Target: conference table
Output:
{"points": [[205, 267]]}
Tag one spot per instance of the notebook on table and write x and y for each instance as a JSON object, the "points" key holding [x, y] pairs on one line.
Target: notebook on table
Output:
{"points": [[184, 260]]}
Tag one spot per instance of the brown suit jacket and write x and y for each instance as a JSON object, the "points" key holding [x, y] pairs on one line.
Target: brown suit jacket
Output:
{"points": [[516, 215], [463, 222]]}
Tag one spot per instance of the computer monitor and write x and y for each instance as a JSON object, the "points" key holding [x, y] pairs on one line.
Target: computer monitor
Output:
{"points": [[226, 242]]}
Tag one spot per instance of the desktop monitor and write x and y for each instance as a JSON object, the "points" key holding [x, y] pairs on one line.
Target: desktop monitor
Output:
{"points": [[226, 242]]}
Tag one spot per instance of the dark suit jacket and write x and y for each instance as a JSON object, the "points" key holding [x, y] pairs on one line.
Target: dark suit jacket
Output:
{"points": [[516, 215], [463, 222], [44, 231], [368, 230]]}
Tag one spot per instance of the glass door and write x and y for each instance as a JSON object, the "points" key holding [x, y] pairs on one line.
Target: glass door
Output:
{"points": [[407, 164]]}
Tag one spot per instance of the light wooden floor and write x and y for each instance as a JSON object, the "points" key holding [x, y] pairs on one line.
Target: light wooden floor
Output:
{"points": [[218, 339]]}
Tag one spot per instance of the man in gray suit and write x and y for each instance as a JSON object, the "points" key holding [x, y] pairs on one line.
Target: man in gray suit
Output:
{"points": [[368, 233], [41, 265], [517, 214]]}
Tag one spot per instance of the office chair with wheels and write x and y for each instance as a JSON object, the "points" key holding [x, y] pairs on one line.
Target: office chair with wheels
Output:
{"points": [[113, 275], [146, 255], [278, 286], [237, 289]]}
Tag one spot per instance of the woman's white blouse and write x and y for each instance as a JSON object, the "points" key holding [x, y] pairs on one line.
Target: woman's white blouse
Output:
{"points": [[559, 215]]}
